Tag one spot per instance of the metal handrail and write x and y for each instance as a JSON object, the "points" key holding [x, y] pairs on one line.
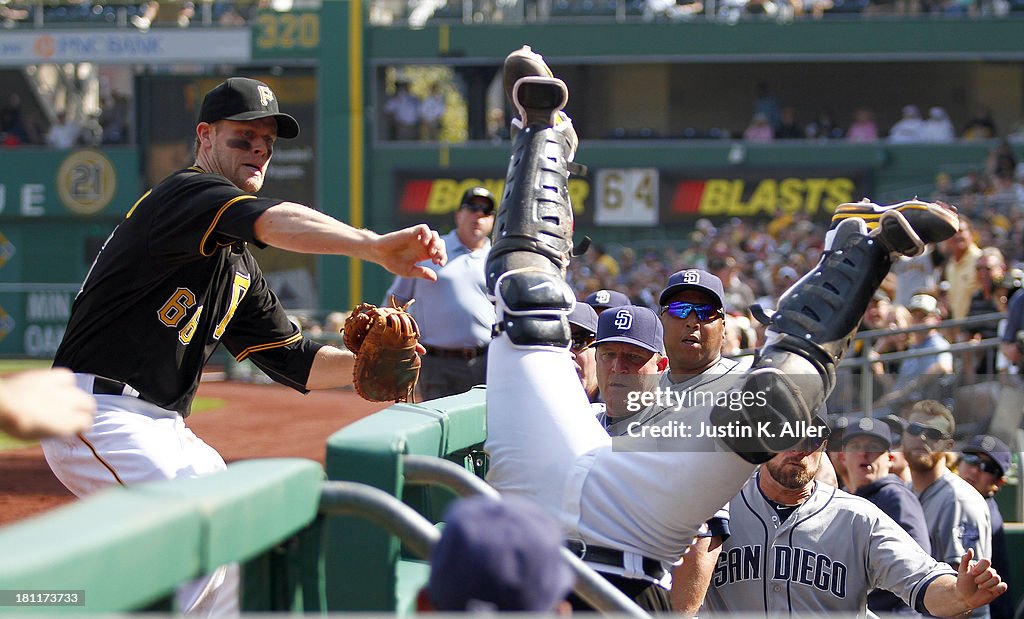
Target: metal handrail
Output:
{"points": [[424, 470], [590, 586], [874, 334], [970, 321], [346, 498]]}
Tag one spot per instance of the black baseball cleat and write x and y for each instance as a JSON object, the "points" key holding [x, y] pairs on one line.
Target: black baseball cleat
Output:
{"points": [[526, 63], [904, 228]]}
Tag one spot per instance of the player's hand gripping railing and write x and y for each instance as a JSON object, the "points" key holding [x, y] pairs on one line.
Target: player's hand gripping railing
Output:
{"points": [[420, 536]]}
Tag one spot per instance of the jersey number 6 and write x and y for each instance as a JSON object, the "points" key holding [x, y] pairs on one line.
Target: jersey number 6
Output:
{"points": [[182, 300]]}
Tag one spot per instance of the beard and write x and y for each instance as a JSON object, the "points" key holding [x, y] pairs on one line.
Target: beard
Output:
{"points": [[790, 477], [923, 461]]}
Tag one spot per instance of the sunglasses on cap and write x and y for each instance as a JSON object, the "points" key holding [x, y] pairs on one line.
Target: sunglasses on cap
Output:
{"points": [[486, 209], [582, 340], [681, 309], [926, 432], [985, 466]]}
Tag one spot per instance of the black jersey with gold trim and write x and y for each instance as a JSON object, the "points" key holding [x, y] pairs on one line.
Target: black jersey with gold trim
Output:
{"points": [[174, 280]]}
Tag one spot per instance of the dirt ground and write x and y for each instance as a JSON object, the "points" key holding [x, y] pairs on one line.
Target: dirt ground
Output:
{"points": [[256, 421]]}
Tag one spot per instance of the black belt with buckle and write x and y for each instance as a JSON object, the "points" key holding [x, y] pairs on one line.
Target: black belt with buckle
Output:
{"points": [[106, 386], [611, 556], [456, 353]]}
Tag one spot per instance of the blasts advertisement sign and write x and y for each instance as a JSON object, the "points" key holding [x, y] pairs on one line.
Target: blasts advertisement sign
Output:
{"points": [[645, 197], [761, 193]]}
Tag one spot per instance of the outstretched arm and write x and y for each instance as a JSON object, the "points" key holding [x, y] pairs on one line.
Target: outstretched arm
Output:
{"points": [[44, 403], [298, 228], [332, 367], [975, 584], [691, 579]]}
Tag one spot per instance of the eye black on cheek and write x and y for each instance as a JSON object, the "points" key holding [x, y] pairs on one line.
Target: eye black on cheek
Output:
{"points": [[239, 144]]}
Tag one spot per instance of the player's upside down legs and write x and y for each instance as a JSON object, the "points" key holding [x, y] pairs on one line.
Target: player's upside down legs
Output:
{"points": [[543, 439]]}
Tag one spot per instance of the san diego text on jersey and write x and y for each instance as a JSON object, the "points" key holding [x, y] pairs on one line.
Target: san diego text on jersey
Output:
{"points": [[797, 565]]}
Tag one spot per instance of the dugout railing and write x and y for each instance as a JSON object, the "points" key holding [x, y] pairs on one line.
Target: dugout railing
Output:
{"points": [[127, 548], [366, 566]]}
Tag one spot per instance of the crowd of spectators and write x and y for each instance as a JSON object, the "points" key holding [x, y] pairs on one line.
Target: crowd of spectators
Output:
{"points": [[240, 12], [142, 15], [770, 123], [110, 126], [417, 13], [759, 259]]}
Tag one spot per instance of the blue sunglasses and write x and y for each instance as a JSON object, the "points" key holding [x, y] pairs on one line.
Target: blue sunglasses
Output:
{"points": [[681, 309]]}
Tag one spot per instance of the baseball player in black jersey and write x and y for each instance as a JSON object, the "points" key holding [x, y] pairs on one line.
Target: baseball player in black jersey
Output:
{"points": [[174, 280]]}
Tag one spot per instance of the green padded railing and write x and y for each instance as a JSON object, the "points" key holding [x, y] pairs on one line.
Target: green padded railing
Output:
{"points": [[128, 548], [364, 566]]}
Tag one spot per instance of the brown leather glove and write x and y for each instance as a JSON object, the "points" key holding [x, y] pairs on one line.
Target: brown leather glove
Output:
{"points": [[383, 340]]}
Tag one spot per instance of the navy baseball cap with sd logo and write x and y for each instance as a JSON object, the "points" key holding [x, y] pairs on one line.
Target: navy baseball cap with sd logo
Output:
{"points": [[604, 299], [242, 98], [631, 324], [693, 279]]}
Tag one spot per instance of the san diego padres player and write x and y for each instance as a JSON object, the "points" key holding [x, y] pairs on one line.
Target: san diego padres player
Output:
{"points": [[544, 443], [802, 547], [174, 280]]}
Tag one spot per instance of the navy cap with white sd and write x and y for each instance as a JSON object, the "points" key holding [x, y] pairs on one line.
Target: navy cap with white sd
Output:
{"points": [[603, 299], [631, 324], [991, 447], [584, 317], [869, 426], [242, 98], [693, 279]]}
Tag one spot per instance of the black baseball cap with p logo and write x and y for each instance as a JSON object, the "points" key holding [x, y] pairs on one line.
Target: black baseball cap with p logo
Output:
{"points": [[242, 98]]}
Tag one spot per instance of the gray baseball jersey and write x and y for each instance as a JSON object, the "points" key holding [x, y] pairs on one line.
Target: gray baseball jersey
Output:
{"points": [[958, 519], [825, 557]]}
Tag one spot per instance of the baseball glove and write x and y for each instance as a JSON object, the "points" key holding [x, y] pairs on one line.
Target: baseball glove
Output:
{"points": [[383, 340]]}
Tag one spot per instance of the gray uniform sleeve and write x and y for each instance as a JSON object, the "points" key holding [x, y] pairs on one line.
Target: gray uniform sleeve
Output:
{"points": [[898, 564], [964, 525]]}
